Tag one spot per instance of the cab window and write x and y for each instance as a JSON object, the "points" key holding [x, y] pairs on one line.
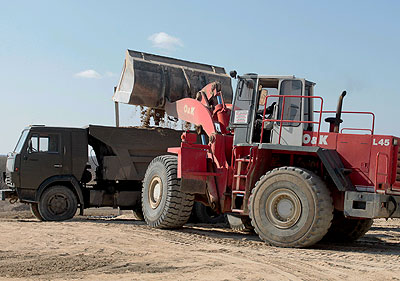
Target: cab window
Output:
{"points": [[44, 144], [292, 110], [243, 103]]}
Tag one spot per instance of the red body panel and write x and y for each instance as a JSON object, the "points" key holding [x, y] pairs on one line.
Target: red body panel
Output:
{"points": [[372, 158]]}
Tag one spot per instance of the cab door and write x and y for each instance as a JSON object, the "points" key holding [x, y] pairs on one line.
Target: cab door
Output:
{"points": [[291, 110], [41, 159]]}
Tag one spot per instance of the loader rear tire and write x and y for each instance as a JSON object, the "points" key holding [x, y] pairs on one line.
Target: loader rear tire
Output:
{"points": [[35, 211], [239, 223], [347, 229], [291, 207], [163, 203], [57, 203]]}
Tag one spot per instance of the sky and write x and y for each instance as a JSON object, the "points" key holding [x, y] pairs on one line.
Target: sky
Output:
{"points": [[59, 60]]}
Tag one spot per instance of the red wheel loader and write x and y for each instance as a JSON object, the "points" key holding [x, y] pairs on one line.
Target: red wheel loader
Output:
{"points": [[264, 158]]}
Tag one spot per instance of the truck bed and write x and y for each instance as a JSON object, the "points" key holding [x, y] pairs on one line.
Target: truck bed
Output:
{"points": [[123, 153]]}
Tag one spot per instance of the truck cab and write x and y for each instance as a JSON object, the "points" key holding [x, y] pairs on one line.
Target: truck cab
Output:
{"points": [[44, 154]]}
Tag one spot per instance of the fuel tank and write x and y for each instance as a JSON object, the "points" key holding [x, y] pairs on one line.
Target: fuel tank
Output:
{"points": [[150, 80]]}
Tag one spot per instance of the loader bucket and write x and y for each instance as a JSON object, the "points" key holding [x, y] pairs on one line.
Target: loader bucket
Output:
{"points": [[149, 80]]}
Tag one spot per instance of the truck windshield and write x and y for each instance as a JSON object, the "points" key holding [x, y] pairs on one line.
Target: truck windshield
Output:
{"points": [[21, 141]]}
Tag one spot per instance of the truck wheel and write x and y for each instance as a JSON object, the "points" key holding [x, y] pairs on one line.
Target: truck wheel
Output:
{"points": [[346, 229], [291, 207], [58, 203], [35, 211], [163, 204], [239, 223], [205, 214]]}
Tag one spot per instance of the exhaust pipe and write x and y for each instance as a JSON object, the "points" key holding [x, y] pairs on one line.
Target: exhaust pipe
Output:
{"points": [[149, 80], [338, 119]]}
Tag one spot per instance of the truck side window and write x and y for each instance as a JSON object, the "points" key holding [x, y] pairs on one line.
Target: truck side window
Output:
{"points": [[33, 145], [46, 144]]}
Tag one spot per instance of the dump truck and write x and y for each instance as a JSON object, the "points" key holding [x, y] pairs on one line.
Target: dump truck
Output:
{"points": [[49, 167], [266, 159]]}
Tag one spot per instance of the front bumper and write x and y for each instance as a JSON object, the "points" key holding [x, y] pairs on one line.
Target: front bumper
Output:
{"points": [[7, 194], [371, 205]]}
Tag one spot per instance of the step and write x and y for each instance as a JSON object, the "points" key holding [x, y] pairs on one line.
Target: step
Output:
{"points": [[242, 160], [237, 211], [238, 192]]}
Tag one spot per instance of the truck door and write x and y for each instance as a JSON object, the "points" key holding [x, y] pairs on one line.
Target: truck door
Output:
{"points": [[41, 159], [292, 131]]}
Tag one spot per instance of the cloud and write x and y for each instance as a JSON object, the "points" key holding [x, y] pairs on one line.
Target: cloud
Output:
{"points": [[162, 40], [93, 74], [90, 73], [110, 74]]}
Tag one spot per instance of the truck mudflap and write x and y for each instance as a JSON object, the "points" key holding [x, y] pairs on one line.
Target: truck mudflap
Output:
{"points": [[8, 194], [371, 205]]}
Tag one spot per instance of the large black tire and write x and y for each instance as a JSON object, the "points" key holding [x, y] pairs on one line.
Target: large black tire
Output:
{"points": [[57, 203], [291, 207], [205, 214], [347, 230], [240, 223], [138, 214], [35, 211], [163, 203]]}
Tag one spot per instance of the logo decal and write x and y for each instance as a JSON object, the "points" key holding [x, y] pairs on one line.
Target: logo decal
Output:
{"points": [[323, 139], [381, 142], [189, 110]]}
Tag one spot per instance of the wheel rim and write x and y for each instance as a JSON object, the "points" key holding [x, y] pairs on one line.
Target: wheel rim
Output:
{"points": [[155, 192], [58, 204], [283, 208]]}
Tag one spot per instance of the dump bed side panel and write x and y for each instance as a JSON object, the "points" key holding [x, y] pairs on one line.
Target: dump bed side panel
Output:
{"points": [[124, 153]]}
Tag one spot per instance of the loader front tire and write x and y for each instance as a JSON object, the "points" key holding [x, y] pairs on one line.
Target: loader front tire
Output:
{"points": [[347, 230], [163, 203], [291, 207]]}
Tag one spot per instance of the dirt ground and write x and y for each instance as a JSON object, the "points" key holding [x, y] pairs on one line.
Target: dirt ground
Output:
{"points": [[100, 246]]}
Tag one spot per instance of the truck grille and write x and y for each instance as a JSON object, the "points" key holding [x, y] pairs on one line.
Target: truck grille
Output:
{"points": [[8, 181]]}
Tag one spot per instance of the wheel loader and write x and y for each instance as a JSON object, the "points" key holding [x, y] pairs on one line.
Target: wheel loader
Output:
{"points": [[262, 157]]}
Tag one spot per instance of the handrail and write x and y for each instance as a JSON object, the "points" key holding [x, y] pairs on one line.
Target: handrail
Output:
{"points": [[290, 121], [355, 112], [377, 169], [355, 129]]}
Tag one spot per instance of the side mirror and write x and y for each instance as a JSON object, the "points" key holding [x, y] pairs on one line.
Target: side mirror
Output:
{"points": [[233, 74]]}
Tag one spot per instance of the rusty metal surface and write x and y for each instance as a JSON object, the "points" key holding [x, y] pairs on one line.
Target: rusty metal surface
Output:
{"points": [[149, 80]]}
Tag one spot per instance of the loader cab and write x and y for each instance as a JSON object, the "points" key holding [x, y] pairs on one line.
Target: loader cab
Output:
{"points": [[265, 98]]}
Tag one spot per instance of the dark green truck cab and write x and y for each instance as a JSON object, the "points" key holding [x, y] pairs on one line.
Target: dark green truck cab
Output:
{"points": [[49, 167]]}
